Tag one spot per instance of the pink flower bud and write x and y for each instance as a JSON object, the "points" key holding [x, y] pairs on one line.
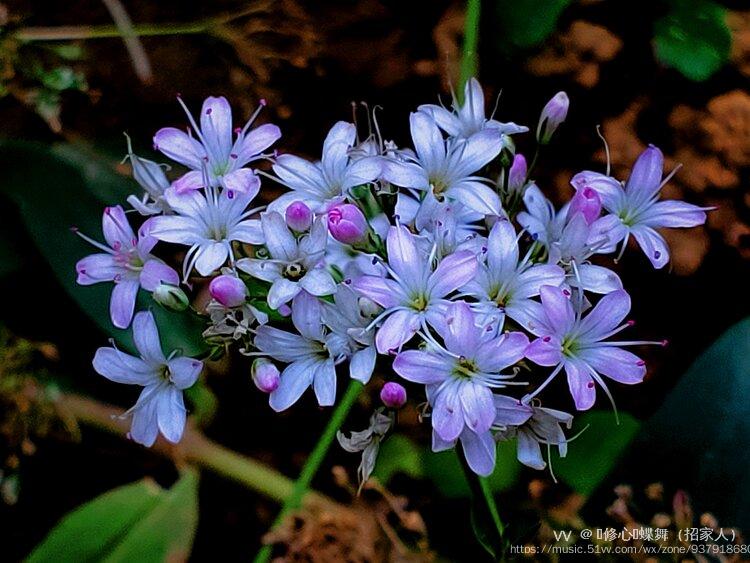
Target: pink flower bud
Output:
{"points": [[588, 202], [298, 216], [393, 395], [517, 173], [228, 290], [265, 375], [553, 114], [347, 223]]}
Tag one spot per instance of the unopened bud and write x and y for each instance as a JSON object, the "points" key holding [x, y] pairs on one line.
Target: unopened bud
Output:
{"points": [[347, 223], [265, 375], [171, 297], [228, 290], [517, 173], [393, 395], [553, 114], [298, 216], [587, 202]]}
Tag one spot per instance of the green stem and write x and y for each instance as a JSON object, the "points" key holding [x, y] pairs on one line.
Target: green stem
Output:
{"points": [[471, 40], [71, 32], [485, 509], [314, 460]]}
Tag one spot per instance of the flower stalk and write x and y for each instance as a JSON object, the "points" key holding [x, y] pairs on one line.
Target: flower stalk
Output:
{"points": [[469, 61], [314, 460]]}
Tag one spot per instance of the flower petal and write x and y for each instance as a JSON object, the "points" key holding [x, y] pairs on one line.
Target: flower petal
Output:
{"points": [[155, 272], [282, 291], [184, 371], [123, 368], [117, 231], [428, 141], [480, 451], [255, 142], [616, 363], [170, 413], [545, 352], [447, 413], [318, 281], [404, 257], [581, 384], [422, 367], [454, 271], [324, 383], [122, 302], [478, 408], [510, 411], [558, 310], [293, 381], [210, 256], [499, 353], [146, 337], [243, 181], [362, 364], [307, 316], [278, 238], [673, 213], [653, 245], [645, 178], [397, 329], [384, 292], [179, 147], [97, 268], [608, 313]]}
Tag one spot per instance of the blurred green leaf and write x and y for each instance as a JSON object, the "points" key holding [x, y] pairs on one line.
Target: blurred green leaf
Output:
{"points": [[520, 24], [699, 438], [593, 454], [693, 38], [137, 522], [10, 258], [399, 454], [53, 194]]}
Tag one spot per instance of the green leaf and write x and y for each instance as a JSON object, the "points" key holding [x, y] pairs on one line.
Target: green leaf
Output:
{"points": [[520, 24], [698, 439], [693, 38], [136, 522], [54, 192], [398, 454], [593, 454]]}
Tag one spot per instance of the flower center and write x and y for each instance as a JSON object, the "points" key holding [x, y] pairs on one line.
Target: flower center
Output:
{"points": [[294, 271], [464, 368], [570, 346], [128, 258], [439, 185], [419, 302]]}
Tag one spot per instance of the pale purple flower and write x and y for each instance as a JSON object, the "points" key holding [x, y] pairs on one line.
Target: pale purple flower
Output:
{"points": [[348, 319], [309, 360], [449, 225], [415, 293], [347, 224], [214, 151], [228, 290], [447, 168], [579, 344], [570, 241], [160, 407], [468, 118], [480, 449], [505, 284], [127, 261], [534, 426], [320, 183], [208, 222], [461, 374], [636, 209], [294, 264], [393, 395], [553, 114]]}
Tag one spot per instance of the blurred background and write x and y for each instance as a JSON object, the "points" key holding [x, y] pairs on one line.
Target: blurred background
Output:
{"points": [[75, 76]]}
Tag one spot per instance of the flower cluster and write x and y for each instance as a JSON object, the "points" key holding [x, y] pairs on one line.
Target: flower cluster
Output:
{"points": [[444, 265]]}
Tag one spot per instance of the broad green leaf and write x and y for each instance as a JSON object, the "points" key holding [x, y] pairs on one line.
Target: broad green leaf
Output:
{"points": [[698, 439], [520, 24], [137, 522], [596, 450], [693, 38], [399, 454], [54, 192]]}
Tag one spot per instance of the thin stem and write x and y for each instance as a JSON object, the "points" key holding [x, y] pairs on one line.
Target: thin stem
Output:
{"points": [[471, 40], [315, 459], [70, 32], [484, 501], [194, 448]]}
